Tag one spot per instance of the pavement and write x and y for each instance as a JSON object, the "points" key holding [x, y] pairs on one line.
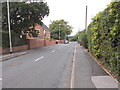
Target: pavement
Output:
{"points": [[9, 56], [51, 67]]}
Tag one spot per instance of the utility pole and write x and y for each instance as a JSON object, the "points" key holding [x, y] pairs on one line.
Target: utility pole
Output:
{"points": [[86, 19], [10, 41]]}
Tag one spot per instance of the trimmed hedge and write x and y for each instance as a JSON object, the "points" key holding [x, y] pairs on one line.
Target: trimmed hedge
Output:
{"points": [[104, 37], [16, 40], [83, 39]]}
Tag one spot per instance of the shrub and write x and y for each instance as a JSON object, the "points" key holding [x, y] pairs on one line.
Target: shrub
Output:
{"points": [[104, 37], [16, 40], [83, 39]]}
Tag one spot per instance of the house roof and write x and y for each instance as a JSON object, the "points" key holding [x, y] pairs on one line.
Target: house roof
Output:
{"points": [[45, 27]]}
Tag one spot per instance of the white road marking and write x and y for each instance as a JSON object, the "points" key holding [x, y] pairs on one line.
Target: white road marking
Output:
{"points": [[53, 51], [0, 79], [39, 58], [73, 68]]}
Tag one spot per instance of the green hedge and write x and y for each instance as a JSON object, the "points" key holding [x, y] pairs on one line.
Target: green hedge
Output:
{"points": [[16, 40], [82, 39], [104, 37]]}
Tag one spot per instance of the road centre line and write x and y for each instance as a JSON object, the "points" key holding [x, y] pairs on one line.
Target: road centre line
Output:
{"points": [[73, 69], [53, 51], [0, 79], [39, 58]]}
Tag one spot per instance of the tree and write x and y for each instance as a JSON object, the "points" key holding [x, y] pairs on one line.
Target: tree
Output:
{"points": [[81, 37], [75, 37], [24, 15], [61, 25]]}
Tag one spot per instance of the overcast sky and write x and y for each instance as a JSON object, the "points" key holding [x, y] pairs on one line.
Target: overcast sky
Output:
{"points": [[73, 11]]}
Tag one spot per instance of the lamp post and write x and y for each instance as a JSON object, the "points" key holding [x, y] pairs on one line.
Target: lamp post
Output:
{"points": [[59, 32], [10, 41], [86, 20], [65, 31]]}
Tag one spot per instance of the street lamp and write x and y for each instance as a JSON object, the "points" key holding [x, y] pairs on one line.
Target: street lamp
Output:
{"points": [[59, 32], [86, 18], [10, 41]]}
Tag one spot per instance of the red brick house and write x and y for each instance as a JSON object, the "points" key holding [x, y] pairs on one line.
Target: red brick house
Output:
{"points": [[46, 31], [43, 32]]}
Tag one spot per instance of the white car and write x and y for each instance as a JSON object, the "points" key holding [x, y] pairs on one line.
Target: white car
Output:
{"points": [[66, 41]]}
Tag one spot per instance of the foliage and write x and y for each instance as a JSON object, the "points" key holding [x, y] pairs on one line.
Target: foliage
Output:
{"points": [[16, 40], [24, 15], [61, 25], [104, 37], [74, 38], [81, 37]]}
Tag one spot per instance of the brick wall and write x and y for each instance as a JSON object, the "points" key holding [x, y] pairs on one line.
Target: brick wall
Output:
{"points": [[20, 48], [35, 43], [2, 51], [61, 41], [15, 49], [32, 43], [50, 42]]}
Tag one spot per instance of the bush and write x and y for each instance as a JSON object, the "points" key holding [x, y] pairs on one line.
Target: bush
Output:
{"points": [[83, 39], [104, 37], [16, 40]]}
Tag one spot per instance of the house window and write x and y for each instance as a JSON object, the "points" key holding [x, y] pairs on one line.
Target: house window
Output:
{"points": [[37, 31]]}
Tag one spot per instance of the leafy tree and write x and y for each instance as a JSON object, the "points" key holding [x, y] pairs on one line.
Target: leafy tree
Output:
{"points": [[24, 15], [75, 37], [61, 25], [81, 37]]}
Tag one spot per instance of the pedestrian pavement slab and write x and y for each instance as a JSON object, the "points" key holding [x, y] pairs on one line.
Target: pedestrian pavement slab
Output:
{"points": [[9, 56], [104, 82]]}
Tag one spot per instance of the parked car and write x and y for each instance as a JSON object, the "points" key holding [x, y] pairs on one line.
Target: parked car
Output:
{"points": [[66, 41]]}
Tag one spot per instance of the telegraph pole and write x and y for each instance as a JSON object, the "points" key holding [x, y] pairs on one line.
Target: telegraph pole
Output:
{"points": [[10, 41]]}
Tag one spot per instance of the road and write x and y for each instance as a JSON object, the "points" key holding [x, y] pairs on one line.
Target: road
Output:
{"points": [[56, 66]]}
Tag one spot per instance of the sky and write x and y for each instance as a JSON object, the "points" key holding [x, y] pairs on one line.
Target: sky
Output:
{"points": [[73, 11]]}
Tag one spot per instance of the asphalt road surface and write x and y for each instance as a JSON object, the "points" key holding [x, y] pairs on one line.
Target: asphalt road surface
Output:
{"points": [[52, 67]]}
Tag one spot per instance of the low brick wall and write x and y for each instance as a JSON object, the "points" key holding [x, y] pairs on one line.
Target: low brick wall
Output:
{"points": [[50, 42], [61, 41], [35, 43], [15, 49], [20, 48], [32, 43], [2, 51]]}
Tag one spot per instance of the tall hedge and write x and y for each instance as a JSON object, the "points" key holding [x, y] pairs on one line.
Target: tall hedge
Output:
{"points": [[16, 40], [104, 37], [83, 39]]}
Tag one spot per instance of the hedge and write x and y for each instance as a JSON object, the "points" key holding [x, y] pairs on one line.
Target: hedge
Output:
{"points": [[83, 39], [16, 40], [104, 37]]}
